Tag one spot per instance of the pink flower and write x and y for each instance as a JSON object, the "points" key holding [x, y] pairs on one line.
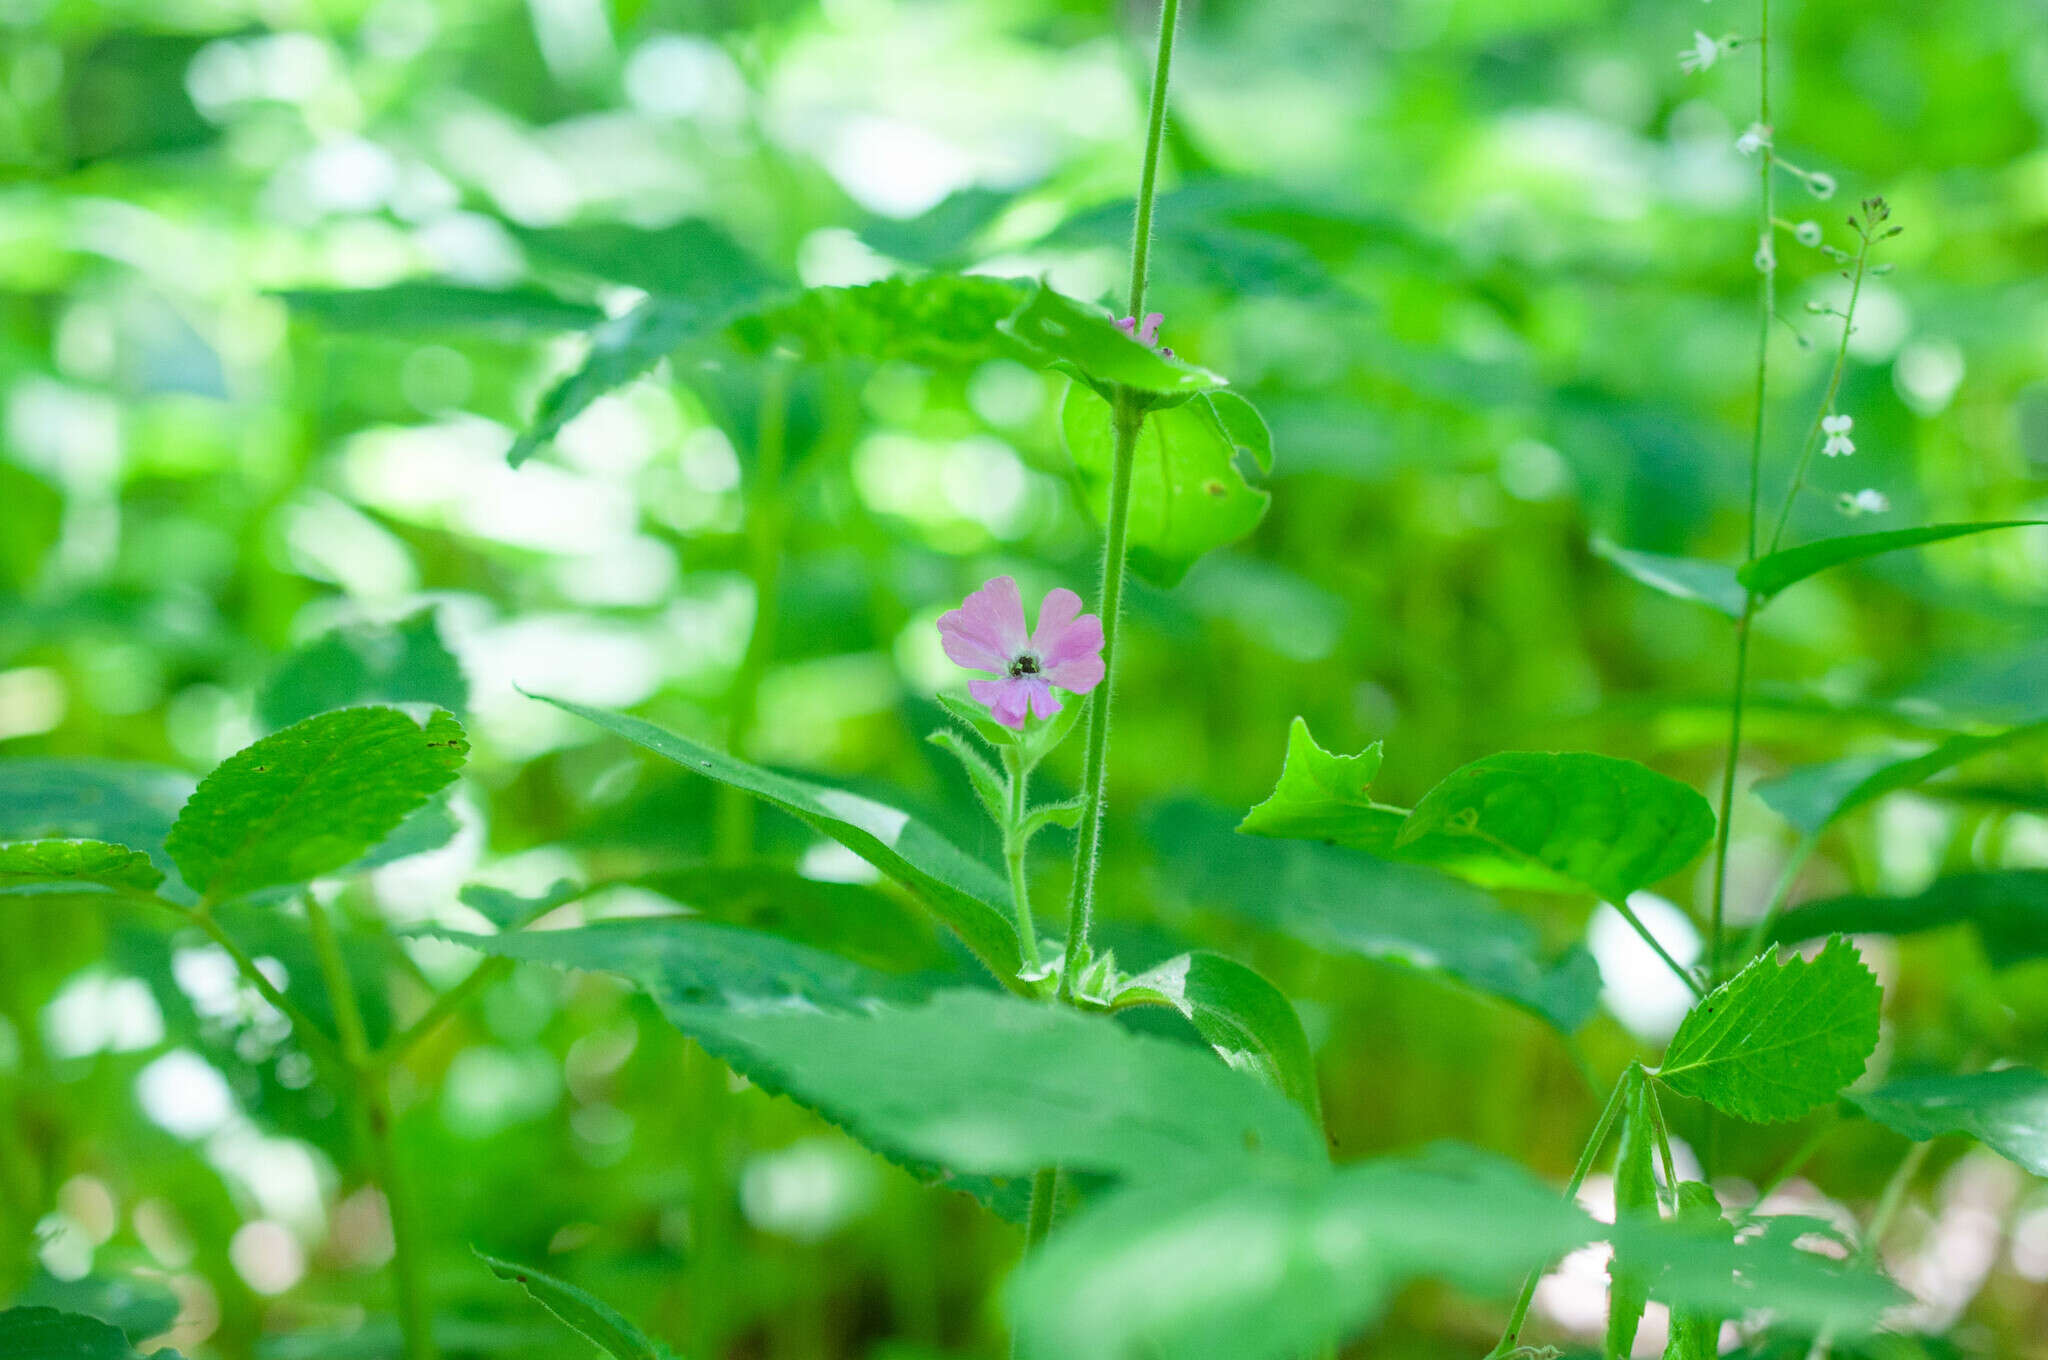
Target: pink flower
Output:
{"points": [[1147, 334], [986, 633]]}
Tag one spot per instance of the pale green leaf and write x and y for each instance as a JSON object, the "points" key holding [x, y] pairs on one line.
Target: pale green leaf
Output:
{"points": [[1768, 575], [1087, 338], [400, 663], [1188, 492], [583, 1313], [1682, 578], [1569, 821], [1248, 1021], [311, 799], [425, 307], [75, 864], [36, 1333], [1320, 795], [1635, 1193], [966, 894], [2008, 908], [1814, 796], [937, 321], [2005, 1109], [941, 236], [103, 800], [1778, 1039]]}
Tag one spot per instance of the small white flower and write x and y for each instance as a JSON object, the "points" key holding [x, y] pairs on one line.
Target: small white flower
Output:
{"points": [[1703, 53], [1754, 139], [1766, 258], [1820, 184], [1837, 428], [1807, 232], [1868, 501]]}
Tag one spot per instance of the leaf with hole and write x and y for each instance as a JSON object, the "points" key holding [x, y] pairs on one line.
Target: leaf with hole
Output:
{"points": [[1325, 797]]}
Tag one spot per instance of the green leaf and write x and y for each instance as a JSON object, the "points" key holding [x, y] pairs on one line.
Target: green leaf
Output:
{"points": [[141, 1306], [1570, 821], [46, 1334], [102, 800], [623, 348], [1343, 902], [1041, 737], [1696, 1329], [975, 717], [1814, 796], [941, 236], [1188, 493], [937, 321], [589, 1317], [506, 910], [2005, 1109], [401, 663], [989, 787], [1087, 338], [2008, 908], [1237, 1267], [1770, 574], [1635, 1193], [692, 259], [1682, 578], [86, 864], [1778, 1040], [1320, 796], [422, 306], [867, 923], [1066, 814], [311, 799], [1248, 1021], [969, 896]]}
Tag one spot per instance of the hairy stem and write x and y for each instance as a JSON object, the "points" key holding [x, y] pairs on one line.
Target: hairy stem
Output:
{"points": [[373, 1100], [1015, 846], [1129, 417], [1511, 1336]]}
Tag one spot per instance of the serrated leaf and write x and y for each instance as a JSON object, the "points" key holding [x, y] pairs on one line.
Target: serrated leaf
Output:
{"points": [[35, 1333], [400, 663], [2008, 908], [1188, 493], [1814, 796], [1778, 1040], [103, 800], [311, 799], [1635, 1193], [1772, 573], [938, 321], [426, 307], [1570, 821], [969, 896], [2005, 1109], [1248, 1021], [1320, 795], [1682, 578], [1347, 903], [1087, 338], [583, 1313], [75, 864], [1066, 814]]}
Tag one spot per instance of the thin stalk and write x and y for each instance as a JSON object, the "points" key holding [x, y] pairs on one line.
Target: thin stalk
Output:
{"points": [[316, 1041], [373, 1099], [1827, 404], [766, 529], [1678, 970], [1511, 1337], [1014, 849], [1045, 1189], [1129, 418], [1663, 1132], [1726, 815]]}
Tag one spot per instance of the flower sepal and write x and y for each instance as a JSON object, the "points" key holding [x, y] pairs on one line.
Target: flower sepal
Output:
{"points": [[1097, 981]]}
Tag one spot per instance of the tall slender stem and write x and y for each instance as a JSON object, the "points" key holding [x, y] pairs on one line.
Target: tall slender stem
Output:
{"points": [[373, 1100], [1129, 418], [1827, 404], [1725, 816], [1015, 845]]}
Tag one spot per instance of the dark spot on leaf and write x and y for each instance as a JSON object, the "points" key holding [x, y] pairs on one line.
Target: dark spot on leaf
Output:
{"points": [[1216, 489]]}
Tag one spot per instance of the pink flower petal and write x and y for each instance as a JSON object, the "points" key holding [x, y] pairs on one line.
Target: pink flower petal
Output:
{"points": [[1056, 614], [1042, 702], [1069, 648], [1007, 700], [986, 632], [1149, 332]]}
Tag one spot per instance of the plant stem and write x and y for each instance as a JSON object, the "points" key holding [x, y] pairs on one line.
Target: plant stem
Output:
{"points": [[373, 1101], [1678, 970], [1129, 418], [1015, 847], [1827, 404], [1726, 816], [1045, 1188], [766, 528], [1663, 1132], [1511, 1337], [318, 1045]]}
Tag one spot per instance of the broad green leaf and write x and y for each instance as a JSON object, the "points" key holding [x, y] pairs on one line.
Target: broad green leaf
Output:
{"points": [[1569, 821], [2008, 908], [1245, 1018], [867, 923], [1188, 491], [2005, 1109], [1087, 338], [75, 864], [1635, 1193], [103, 800], [1695, 1328], [966, 894], [36, 1333], [1814, 796], [1321, 796], [141, 1306], [311, 799], [1682, 578], [589, 1317], [401, 663], [692, 259], [1238, 1267], [422, 307], [939, 320], [1343, 902], [941, 236], [1772, 573], [1778, 1039]]}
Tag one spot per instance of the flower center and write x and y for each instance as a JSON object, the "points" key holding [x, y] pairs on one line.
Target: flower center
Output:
{"points": [[1026, 664]]}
